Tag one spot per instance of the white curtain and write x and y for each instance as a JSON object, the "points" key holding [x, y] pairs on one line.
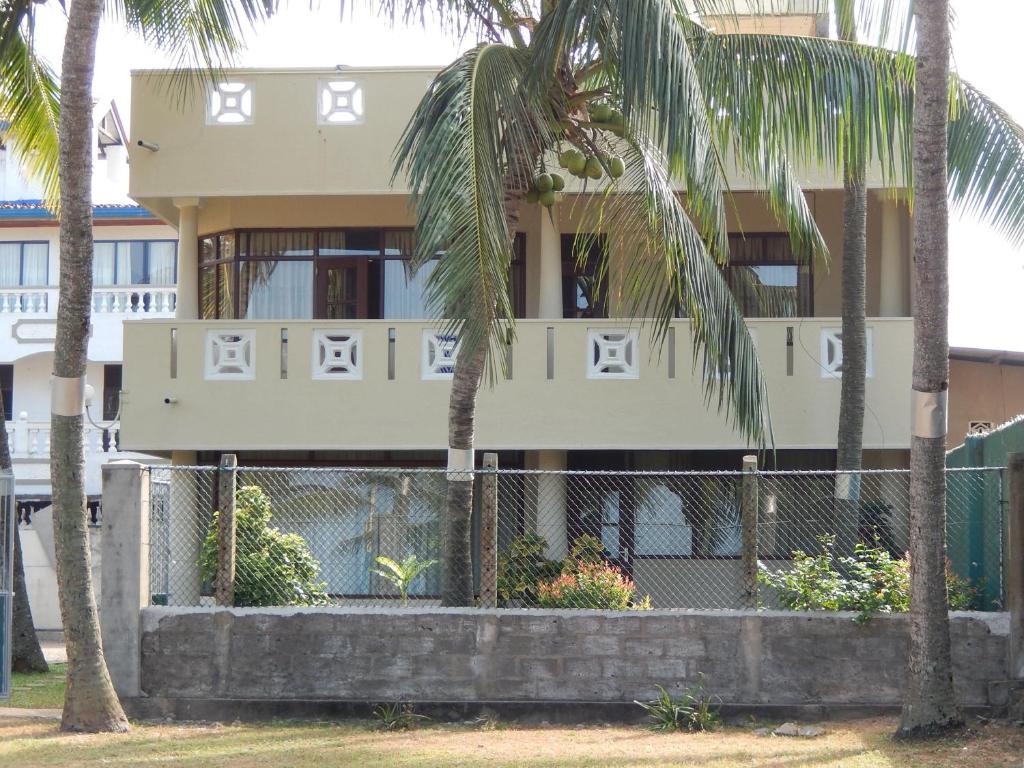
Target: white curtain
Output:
{"points": [[661, 526], [277, 290], [405, 293], [162, 256], [104, 264], [33, 264], [10, 265]]}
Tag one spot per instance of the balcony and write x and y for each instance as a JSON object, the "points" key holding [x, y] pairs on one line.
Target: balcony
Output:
{"points": [[379, 385], [31, 439], [30, 316]]}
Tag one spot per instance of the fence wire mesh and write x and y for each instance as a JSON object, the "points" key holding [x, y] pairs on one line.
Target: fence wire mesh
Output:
{"points": [[564, 539]]}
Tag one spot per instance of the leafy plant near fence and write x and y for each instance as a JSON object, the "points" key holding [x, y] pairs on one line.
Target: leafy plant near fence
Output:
{"points": [[869, 581], [692, 710], [401, 574], [271, 568], [582, 580]]}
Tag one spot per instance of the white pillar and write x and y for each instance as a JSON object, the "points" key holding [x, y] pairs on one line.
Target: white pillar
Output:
{"points": [[188, 258], [124, 569], [895, 260], [552, 521], [550, 304]]}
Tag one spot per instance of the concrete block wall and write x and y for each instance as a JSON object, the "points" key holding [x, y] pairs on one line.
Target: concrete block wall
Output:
{"points": [[766, 658]]}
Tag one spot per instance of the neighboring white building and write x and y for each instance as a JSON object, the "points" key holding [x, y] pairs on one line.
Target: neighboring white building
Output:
{"points": [[134, 276]]}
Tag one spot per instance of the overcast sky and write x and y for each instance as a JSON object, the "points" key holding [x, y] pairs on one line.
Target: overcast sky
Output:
{"points": [[986, 273]]}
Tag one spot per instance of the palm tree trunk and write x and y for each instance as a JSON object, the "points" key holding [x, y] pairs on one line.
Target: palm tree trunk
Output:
{"points": [[851, 398], [90, 702], [26, 655], [930, 706], [457, 584]]}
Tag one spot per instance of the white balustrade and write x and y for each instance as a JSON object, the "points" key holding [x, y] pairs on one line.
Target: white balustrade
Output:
{"points": [[27, 301], [31, 439], [134, 299]]}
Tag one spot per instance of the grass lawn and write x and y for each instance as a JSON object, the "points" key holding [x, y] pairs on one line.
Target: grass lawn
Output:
{"points": [[35, 691], [855, 744]]}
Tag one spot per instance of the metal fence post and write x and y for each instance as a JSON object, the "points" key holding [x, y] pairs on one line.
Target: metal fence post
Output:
{"points": [[1015, 564], [748, 522], [489, 533], [224, 585]]}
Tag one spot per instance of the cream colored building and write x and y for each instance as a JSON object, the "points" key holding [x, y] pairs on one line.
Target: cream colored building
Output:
{"points": [[300, 336]]}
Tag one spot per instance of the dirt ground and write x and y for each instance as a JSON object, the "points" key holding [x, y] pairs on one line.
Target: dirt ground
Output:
{"points": [[852, 744]]}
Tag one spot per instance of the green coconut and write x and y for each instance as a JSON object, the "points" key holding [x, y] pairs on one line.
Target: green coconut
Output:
{"points": [[543, 182], [548, 198], [557, 182], [532, 196], [616, 167], [600, 113], [594, 170]]}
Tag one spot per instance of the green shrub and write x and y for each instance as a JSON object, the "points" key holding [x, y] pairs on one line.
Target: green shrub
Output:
{"points": [[522, 567], [587, 585], [271, 568], [693, 710], [869, 581]]}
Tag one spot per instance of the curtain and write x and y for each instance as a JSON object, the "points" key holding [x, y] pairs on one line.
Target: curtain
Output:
{"points": [[661, 526], [10, 265], [33, 264], [276, 290], [405, 292], [104, 264], [162, 258]]}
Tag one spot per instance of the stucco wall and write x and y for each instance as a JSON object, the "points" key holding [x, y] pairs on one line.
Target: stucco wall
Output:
{"points": [[982, 391], [436, 655]]}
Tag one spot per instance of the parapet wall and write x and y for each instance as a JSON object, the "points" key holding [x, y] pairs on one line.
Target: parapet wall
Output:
{"points": [[763, 659]]}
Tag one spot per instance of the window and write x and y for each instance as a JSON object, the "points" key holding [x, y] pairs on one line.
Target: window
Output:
{"points": [[135, 262], [111, 392], [7, 390], [331, 274], [584, 288], [24, 265], [767, 279]]}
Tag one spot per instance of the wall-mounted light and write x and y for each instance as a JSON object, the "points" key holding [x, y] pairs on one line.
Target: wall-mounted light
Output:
{"points": [[148, 145]]}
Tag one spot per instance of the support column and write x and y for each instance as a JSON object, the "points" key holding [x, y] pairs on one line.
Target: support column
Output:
{"points": [[550, 305], [552, 518], [125, 571], [188, 258], [895, 268]]}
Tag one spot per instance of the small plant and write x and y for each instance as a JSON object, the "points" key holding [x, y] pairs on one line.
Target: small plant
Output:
{"points": [[589, 585], [961, 594], [693, 710], [397, 716], [522, 567], [271, 568], [586, 549], [402, 574]]}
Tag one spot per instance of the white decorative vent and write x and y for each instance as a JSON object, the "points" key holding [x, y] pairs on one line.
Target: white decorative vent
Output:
{"points": [[229, 103], [832, 353], [439, 352], [337, 354], [975, 427], [230, 355], [339, 102], [611, 354]]}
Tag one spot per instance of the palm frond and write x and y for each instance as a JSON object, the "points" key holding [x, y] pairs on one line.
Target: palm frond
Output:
{"points": [[202, 35], [29, 103], [986, 162], [464, 153], [670, 271]]}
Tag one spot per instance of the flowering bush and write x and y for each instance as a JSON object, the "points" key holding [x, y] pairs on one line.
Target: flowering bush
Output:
{"points": [[589, 585]]}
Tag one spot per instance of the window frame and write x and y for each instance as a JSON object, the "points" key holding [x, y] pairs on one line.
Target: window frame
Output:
{"points": [[21, 264], [374, 298], [764, 261], [145, 260]]}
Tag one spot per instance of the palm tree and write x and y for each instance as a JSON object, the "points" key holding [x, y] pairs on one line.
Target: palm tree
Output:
{"points": [[207, 31], [929, 705], [493, 119]]}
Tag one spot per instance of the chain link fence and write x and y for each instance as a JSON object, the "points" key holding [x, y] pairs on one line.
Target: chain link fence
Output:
{"points": [[574, 539]]}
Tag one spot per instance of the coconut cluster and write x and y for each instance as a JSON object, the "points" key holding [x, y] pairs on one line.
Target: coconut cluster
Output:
{"points": [[546, 189]]}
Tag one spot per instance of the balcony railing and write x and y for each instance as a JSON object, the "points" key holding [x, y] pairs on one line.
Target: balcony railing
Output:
{"points": [[31, 439], [125, 300], [382, 385]]}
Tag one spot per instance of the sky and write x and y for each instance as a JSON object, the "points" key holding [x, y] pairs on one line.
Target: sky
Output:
{"points": [[986, 272]]}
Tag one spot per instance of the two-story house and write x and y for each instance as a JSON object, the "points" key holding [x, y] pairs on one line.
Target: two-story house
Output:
{"points": [[301, 336]]}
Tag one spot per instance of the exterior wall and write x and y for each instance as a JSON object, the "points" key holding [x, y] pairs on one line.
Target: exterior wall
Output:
{"points": [[982, 391], [530, 411], [766, 659]]}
